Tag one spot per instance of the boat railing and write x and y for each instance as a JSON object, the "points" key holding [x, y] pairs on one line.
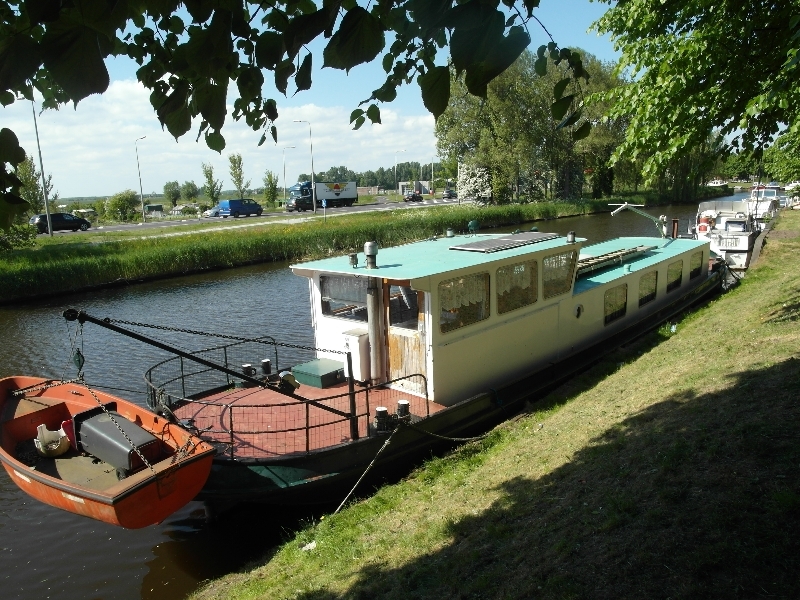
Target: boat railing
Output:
{"points": [[258, 430], [177, 377], [245, 423]]}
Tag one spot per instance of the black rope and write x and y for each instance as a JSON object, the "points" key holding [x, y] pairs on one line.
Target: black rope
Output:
{"points": [[364, 474], [223, 336], [449, 439]]}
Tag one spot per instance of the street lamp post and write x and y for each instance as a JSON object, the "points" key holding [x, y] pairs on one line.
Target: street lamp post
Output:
{"points": [[41, 168], [138, 168], [313, 185], [395, 168], [285, 148]]}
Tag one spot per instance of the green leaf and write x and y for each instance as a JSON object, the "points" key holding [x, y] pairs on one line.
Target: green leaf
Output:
{"points": [[560, 107], [210, 101], [355, 114], [540, 66], [199, 9], [582, 131], [570, 120], [6, 98], [72, 56], [435, 87], [305, 28], [215, 141], [303, 77], [274, 132], [388, 62], [283, 71], [359, 39], [263, 139], [501, 56], [269, 49], [10, 150], [359, 122], [558, 89], [271, 108], [42, 11], [20, 58], [11, 206], [374, 114], [386, 93], [250, 82], [174, 111]]}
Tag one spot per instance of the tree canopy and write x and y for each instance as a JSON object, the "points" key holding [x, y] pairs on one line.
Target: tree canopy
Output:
{"points": [[698, 66], [189, 58]]}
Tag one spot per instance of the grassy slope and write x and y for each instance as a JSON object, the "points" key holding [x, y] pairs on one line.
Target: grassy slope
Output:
{"points": [[670, 470]]}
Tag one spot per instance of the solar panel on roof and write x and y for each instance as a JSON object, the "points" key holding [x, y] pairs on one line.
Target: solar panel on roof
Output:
{"points": [[506, 242]]}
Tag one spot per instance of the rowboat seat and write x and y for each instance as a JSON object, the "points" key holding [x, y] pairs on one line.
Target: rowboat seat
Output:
{"points": [[51, 443]]}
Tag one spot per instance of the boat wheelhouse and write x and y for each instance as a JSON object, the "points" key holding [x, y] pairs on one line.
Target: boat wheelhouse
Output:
{"points": [[475, 312]]}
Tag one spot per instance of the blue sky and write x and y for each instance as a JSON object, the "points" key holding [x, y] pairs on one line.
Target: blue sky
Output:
{"points": [[90, 150]]}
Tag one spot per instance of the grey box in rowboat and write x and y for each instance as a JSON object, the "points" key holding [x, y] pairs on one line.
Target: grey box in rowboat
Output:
{"points": [[99, 436]]}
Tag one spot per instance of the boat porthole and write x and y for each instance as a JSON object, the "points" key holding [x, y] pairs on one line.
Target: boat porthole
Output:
{"points": [[578, 311]]}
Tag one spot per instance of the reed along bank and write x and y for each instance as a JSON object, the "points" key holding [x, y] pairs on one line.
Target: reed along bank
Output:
{"points": [[56, 269], [670, 470]]}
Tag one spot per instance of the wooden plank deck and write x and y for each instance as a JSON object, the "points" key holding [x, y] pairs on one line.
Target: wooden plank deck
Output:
{"points": [[266, 423]]}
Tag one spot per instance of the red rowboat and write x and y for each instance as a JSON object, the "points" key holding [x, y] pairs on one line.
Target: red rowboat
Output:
{"points": [[122, 464]]}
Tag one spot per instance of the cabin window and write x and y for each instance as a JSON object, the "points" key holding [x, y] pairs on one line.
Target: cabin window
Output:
{"points": [[674, 275], [403, 307], [695, 264], [557, 272], [647, 287], [517, 286], [344, 297], [463, 301], [616, 300]]}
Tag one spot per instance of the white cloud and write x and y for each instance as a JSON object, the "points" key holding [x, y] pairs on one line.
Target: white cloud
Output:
{"points": [[90, 150]]}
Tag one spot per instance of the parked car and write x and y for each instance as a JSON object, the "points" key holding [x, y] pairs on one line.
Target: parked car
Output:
{"points": [[61, 222], [212, 212], [449, 194], [239, 208], [412, 197]]}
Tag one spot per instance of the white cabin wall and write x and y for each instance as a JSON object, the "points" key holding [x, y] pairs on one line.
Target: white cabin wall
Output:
{"points": [[494, 351]]}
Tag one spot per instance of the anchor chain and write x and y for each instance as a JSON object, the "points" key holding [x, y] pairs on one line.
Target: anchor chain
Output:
{"points": [[121, 430]]}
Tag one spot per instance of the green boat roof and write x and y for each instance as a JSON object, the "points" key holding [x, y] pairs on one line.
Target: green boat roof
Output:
{"points": [[662, 249], [435, 256], [429, 257]]}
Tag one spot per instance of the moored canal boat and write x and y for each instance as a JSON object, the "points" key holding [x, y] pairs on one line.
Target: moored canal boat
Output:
{"points": [[96, 455], [430, 341]]}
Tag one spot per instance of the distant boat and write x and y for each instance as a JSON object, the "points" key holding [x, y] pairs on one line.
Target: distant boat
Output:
{"points": [[716, 183], [96, 455]]}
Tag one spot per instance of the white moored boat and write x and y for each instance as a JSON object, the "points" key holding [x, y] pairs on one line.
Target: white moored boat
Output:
{"points": [[731, 229]]}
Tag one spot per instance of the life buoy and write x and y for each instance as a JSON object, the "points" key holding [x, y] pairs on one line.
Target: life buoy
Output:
{"points": [[702, 228]]}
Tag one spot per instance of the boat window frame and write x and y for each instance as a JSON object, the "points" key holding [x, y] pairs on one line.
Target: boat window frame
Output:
{"points": [[534, 286], [412, 295], [565, 285], [651, 295], [696, 271], [674, 285], [486, 310], [361, 306], [622, 307]]}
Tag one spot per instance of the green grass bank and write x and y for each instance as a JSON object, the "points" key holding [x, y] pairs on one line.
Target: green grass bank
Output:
{"points": [[670, 470], [56, 269]]}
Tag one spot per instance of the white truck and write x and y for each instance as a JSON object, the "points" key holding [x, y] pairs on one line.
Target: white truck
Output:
{"points": [[337, 194]]}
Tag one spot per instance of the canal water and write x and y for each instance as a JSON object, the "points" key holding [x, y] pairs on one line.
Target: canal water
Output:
{"points": [[47, 553]]}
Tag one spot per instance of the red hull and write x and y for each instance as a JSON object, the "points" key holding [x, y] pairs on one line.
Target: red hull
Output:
{"points": [[144, 498]]}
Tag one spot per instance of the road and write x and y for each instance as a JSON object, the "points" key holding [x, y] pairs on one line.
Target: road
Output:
{"points": [[267, 217]]}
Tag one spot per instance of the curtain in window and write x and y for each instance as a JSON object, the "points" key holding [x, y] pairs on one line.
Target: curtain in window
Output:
{"points": [[463, 291], [342, 288], [517, 286], [557, 273]]}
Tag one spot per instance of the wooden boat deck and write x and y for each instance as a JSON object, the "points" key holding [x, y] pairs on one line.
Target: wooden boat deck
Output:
{"points": [[261, 423]]}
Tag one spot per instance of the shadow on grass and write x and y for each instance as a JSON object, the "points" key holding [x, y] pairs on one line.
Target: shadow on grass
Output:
{"points": [[697, 496]]}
